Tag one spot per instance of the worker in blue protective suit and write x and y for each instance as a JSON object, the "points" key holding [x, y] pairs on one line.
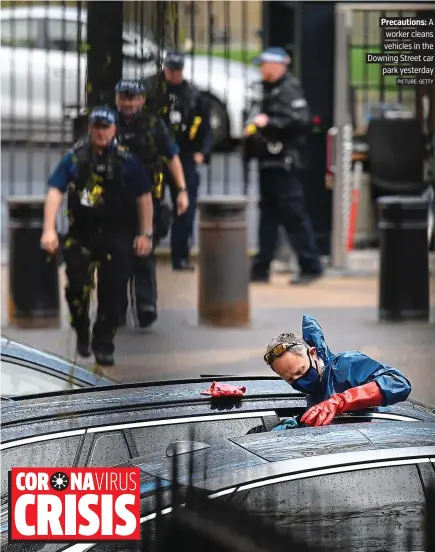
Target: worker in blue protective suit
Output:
{"points": [[333, 383]]}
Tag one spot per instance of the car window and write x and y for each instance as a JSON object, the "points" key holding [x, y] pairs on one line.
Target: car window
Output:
{"points": [[21, 33], [109, 449], [57, 452], [62, 35], [365, 505], [155, 439], [18, 379]]}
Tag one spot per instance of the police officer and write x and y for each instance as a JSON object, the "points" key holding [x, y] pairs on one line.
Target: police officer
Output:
{"points": [[147, 136], [186, 111], [277, 137], [103, 182]]}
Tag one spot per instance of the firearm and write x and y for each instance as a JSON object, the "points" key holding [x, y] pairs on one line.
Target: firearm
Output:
{"points": [[246, 159]]}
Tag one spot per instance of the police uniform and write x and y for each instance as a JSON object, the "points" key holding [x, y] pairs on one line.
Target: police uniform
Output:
{"points": [[101, 192], [147, 136], [186, 111], [280, 148]]}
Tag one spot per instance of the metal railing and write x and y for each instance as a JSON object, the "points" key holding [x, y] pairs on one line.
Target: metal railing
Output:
{"points": [[45, 57], [360, 87]]}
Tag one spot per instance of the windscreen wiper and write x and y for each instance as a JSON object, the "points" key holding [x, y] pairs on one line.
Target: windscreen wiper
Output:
{"points": [[217, 376]]}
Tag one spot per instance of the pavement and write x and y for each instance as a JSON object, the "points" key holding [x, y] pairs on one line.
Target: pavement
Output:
{"points": [[177, 347]]}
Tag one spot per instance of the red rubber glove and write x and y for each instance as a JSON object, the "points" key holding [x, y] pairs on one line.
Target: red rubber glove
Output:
{"points": [[224, 390], [356, 398]]}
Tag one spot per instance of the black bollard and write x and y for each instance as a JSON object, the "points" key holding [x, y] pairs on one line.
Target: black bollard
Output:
{"points": [[223, 294], [33, 273], [404, 270]]}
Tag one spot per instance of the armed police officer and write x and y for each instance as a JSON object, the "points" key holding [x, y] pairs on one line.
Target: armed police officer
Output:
{"points": [[186, 111], [103, 182], [148, 137], [276, 136]]}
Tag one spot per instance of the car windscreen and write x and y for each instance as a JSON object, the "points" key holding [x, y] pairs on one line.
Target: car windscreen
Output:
{"points": [[18, 380]]}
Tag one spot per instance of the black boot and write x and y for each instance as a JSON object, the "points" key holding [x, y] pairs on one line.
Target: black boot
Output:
{"points": [[104, 358], [259, 274], [83, 343], [306, 278], [146, 314], [183, 266]]}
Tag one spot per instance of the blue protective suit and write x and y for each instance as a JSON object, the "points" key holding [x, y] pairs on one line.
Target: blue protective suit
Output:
{"points": [[350, 369]]}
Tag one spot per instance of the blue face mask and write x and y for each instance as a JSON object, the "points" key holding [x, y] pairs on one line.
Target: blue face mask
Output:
{"points": [[309, 383]]}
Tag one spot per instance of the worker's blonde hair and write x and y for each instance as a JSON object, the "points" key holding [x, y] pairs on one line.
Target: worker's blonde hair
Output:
{"points": [[297, 343]]}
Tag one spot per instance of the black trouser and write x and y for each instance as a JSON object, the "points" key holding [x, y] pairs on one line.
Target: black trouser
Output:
{"points": [[143, 279], [282, 203], [143, 275], [182, 226], [110, 254]]}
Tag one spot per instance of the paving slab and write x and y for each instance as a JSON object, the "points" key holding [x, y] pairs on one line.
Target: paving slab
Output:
{"points": [[176, 346]]}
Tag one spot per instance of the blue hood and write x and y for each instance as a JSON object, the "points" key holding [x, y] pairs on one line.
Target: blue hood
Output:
{"points": [[313, 335], [351, 369]]}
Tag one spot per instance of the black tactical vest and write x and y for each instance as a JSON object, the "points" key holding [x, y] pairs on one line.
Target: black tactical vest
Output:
{"points": [[182, 102], [141, 138], [175, 105], [98, 196]]}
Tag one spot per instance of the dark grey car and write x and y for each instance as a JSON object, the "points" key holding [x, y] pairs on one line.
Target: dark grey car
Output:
{"points": [[115, 424], [365, 484]]}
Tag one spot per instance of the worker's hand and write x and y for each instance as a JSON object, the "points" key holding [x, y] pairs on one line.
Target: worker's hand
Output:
{"points": [[355, 398], [323, 413], [142, 245], [50, 241], [182, 202], [198, 158], [261, 120]]}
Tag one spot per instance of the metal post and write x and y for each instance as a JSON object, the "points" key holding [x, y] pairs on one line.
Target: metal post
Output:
{"points": [[223, 294], [80, 126], [341, 188], [33, 273], [104, 36]]}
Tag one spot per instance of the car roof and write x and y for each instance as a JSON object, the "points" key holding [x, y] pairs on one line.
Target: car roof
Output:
{"points": [[114, 405], [239, 460], [19, 351], [149, 394]]}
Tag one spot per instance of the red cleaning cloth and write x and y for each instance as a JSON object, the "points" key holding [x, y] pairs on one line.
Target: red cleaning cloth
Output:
{"points": [[224, 390]]}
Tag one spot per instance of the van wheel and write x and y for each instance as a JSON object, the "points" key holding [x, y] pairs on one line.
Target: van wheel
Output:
{"points": [[219, 123]]}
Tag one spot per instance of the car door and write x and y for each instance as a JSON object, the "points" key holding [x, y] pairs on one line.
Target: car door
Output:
{"points": [[111, 445], [57, 450], [362, 507], [22, 69]]}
